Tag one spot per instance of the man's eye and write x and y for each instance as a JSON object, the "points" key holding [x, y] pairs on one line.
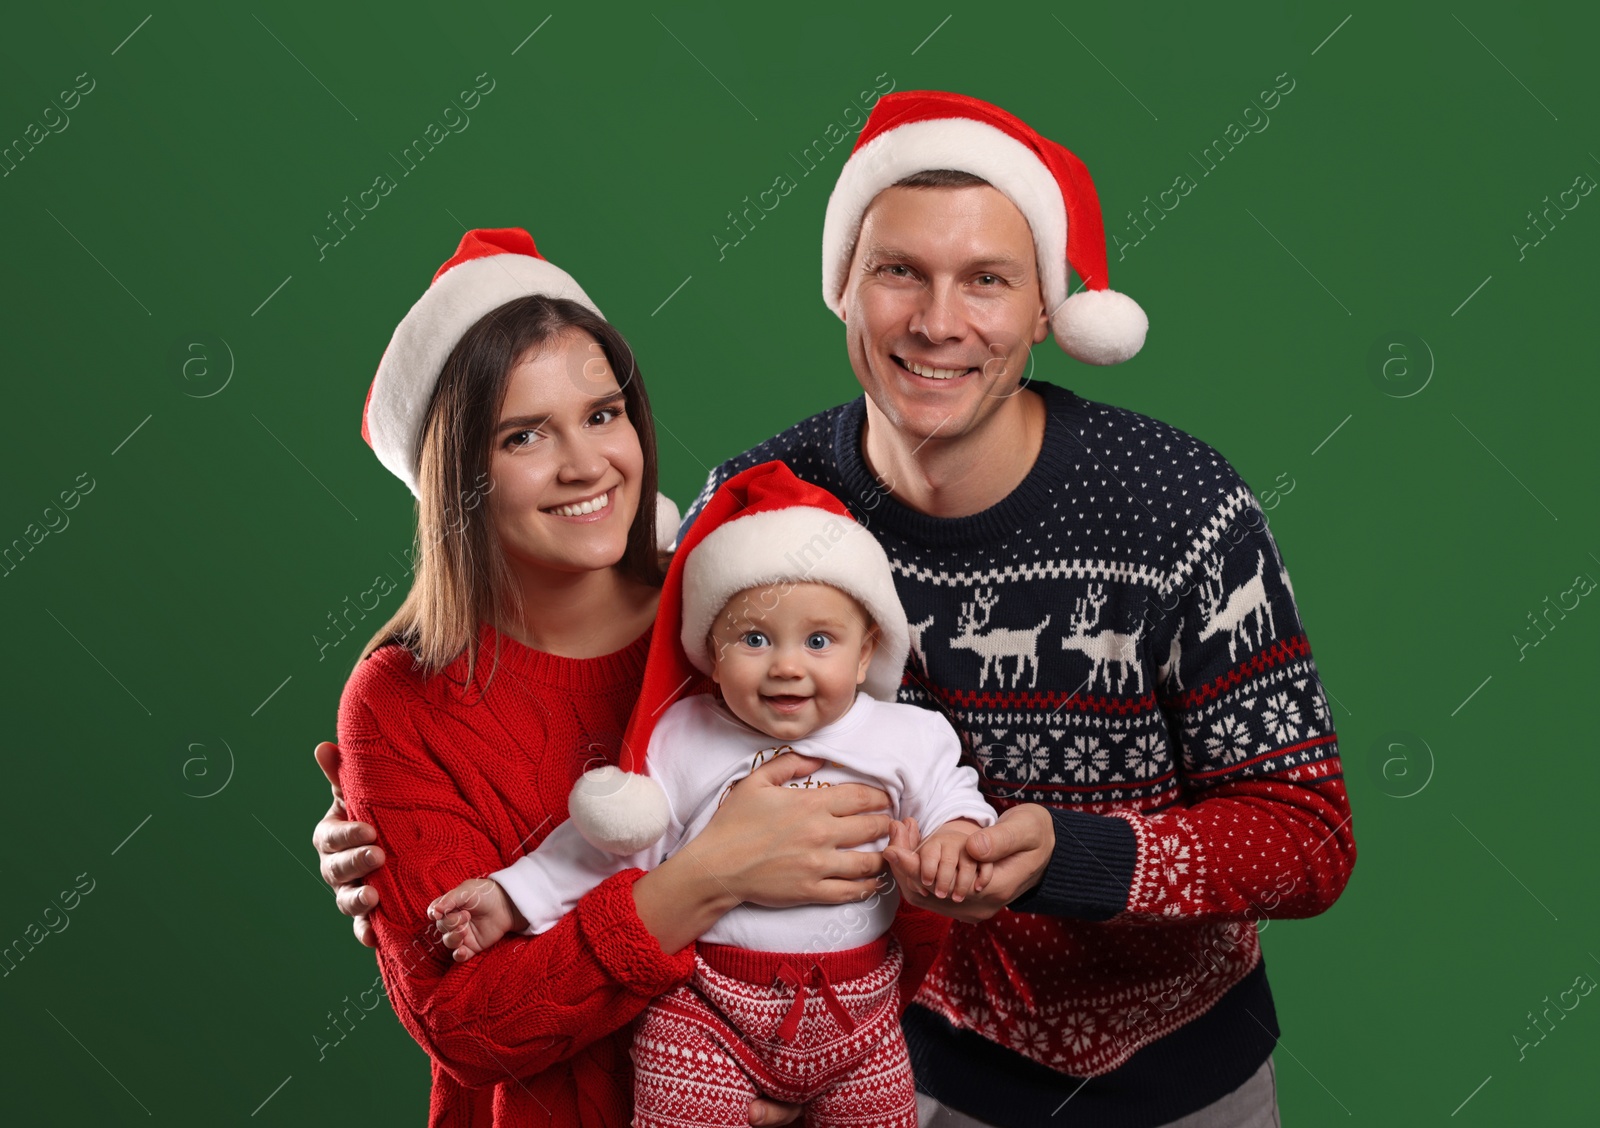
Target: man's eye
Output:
{"points": [[988, 280], [818, 641], [897, 270]]}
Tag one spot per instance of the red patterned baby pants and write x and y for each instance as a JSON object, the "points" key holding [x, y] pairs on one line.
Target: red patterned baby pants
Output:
{"points": [[817, 1028]]}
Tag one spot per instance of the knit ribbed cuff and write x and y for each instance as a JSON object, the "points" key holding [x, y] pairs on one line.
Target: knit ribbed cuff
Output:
{"points": [[630, 953], [1090, 872]]}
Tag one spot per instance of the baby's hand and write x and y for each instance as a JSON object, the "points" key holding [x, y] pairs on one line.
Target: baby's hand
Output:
{"points": [[472, 917], [947, 869]]}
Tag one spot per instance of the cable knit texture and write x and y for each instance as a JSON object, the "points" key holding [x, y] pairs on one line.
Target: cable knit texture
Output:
{"points": [[461, 781]]}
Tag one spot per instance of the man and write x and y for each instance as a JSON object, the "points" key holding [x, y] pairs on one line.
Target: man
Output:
{"points": [[1096, 601]]}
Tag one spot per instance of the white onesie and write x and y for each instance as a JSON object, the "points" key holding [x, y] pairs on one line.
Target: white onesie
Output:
{"points": [[699, 750]]}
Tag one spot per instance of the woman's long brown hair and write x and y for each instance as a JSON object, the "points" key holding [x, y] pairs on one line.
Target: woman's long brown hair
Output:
{"points": [[461, 575]]}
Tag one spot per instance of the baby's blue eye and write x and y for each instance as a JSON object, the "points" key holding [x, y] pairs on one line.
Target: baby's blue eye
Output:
{"points": [[753, 639], [817, 641]]}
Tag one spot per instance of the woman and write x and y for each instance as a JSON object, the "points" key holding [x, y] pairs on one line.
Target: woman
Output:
{"points": [[517, 416]]}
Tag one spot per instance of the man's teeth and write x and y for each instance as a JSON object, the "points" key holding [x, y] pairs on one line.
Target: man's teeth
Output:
{"points": [[583, 506], [935, 373]]}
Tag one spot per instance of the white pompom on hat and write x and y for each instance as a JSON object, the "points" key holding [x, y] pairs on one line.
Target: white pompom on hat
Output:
{"points": [[921, 130], [762, 527]]}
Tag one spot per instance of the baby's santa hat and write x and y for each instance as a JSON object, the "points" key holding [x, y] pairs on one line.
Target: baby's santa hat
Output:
{"points": [[921, 130], [491, 266], [763, 527]]}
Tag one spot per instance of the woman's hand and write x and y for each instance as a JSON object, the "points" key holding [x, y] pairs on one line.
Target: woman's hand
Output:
{"points": [[1019, 847], [769, 844], [345, 854], [777, 845]]}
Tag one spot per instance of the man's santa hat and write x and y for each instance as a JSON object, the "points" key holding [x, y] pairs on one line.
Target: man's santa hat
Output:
{"points": [[922, 130], [763, 527], [491, 266]]}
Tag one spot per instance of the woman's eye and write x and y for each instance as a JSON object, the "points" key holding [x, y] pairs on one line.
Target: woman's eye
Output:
{"points": [[522, 438], [818, 641], [605, 415]]}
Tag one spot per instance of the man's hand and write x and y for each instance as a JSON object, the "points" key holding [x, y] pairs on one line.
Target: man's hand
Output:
{"points": [[1019, 846], [345, 854]]}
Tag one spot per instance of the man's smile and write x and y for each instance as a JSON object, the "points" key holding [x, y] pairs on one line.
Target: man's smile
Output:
{"points": [[929, 371]]}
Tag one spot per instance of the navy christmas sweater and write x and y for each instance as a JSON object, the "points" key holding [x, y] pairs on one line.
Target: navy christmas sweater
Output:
{"points": [[1117, 640]]}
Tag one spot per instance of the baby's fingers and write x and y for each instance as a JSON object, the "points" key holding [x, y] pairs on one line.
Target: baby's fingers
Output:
{"points": [[966, 876], [985, 875]]}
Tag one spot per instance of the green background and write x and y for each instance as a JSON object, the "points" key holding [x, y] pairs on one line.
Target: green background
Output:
{"points": [[163, 688]]}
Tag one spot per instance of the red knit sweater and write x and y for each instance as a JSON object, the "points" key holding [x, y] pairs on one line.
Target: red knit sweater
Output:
{"points": [[460, 783]]}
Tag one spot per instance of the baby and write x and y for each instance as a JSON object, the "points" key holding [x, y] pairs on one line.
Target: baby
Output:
{"points": [[789, 607]]}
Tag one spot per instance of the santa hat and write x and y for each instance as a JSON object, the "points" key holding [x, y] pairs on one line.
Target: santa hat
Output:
{"points": [[491, 266], [921, 130], [763, 527]]}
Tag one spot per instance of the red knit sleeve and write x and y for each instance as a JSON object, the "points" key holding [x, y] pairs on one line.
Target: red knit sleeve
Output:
{"points": [[527, 1003]]}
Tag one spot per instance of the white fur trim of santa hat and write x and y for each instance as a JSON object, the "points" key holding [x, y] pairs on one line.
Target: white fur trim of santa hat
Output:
{"points": [[919, 131], [411, 365], [794, 545]]}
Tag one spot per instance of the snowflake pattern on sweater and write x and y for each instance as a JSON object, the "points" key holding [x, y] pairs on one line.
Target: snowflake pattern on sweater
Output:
{"points": [[1118, 641]]}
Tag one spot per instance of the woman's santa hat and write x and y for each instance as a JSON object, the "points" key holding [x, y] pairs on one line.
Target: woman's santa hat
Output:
{"points": [[922, 130], [491, 266], [763, 527]]}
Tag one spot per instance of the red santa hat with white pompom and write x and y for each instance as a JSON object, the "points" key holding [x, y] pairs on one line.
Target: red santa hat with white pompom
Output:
{"points": [[763, 527], [921, 130]]}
